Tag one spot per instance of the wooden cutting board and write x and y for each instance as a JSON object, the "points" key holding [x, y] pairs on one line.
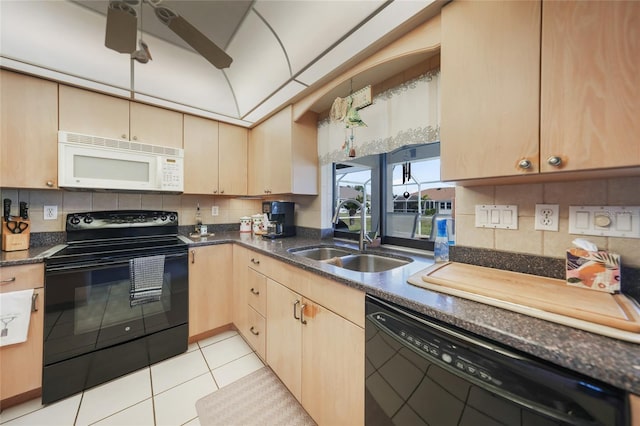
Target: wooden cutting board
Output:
{"points": [[546, 298]]}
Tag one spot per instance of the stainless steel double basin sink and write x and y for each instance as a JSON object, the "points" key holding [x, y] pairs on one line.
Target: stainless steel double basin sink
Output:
{"points": [[351, 259]]}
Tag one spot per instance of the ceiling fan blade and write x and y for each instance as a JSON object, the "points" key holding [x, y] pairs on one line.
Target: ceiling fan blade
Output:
{"points": [[122, 25], [194, 38]]}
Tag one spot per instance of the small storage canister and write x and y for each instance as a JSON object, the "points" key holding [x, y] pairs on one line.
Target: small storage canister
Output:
{"points": [[245, 224], [258, 225]]}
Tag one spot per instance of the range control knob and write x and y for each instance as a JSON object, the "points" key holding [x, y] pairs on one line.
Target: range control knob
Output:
{"points": [[447, 358], [74, 220], [172, 217], [88, 219], [163, 217]]}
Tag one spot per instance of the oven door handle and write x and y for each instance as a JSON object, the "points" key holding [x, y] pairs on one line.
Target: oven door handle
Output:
{"points": [[105, 261]]}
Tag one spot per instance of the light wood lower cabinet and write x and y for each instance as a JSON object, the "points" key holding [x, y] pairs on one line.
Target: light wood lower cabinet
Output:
{"points": [[21, 363], [318, 354], [314, 333], [210, 288], [284, 336]]}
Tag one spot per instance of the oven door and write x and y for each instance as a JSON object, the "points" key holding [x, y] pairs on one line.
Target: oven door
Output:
{"points": [[90, 307]]}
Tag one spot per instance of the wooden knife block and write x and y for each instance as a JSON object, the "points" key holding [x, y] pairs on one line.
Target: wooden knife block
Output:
{"points": [[14, 242]]}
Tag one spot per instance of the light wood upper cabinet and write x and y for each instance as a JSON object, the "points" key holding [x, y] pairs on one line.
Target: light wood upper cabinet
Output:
{"points": [[155, 126], [590, 95], [215, 157], [92, 113], [232, 164], [283, 155], [28, 132], [95, 114], [490, 61], [200, 155], [210, 288], [21, 363]]}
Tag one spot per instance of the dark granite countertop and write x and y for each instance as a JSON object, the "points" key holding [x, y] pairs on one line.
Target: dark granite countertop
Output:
{"points": [[613, 361]]}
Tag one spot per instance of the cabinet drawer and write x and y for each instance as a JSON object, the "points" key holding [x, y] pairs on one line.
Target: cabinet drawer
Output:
{"points": [[21, 277], [257, 291], [256, 261], [257, 326]]}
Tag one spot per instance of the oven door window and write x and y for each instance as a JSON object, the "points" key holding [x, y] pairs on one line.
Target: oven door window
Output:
{"points": [[91, 308]]}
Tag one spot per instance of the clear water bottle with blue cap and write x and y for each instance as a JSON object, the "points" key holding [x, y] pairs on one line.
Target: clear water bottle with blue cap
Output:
{"points": [[441, 244]]}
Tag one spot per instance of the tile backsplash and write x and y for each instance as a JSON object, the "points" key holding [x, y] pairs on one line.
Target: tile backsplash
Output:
{"points": [[614, 191], [229, 209]]}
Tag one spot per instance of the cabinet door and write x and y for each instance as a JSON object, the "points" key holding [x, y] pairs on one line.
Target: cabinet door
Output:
{"points": [[95, 114], [210, 291], [284, 338], [256, 161], [28, 131], [333, 367], [232, 166], [200, 155], [21, 363], [277, 154], [590, 98], [490, 61], [156, 126]]}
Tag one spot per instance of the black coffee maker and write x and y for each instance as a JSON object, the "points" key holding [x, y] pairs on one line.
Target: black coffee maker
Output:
{"points": [[280, 215]]}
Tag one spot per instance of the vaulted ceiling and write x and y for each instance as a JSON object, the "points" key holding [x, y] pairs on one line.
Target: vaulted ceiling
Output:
{"points": [[280, 49]]}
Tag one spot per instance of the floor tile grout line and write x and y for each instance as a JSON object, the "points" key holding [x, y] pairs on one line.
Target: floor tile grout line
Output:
{"points": [[217, 341]]}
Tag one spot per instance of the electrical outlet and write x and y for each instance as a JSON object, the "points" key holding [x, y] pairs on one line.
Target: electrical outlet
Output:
{"points": [[215, 211], [547, 217], [50, 212]]}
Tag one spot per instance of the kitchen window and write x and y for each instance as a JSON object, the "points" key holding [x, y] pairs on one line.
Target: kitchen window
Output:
{"points": [[402, 194]]}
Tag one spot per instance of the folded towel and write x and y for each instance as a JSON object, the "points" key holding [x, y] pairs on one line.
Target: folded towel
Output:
{"points": [[146, 276], [15, 314]]}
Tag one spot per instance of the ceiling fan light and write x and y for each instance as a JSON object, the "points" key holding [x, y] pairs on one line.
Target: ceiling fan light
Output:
{"points": [[122, 24]]}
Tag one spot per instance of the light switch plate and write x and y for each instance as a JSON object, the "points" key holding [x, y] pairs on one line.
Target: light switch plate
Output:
{"points": [[605, 221], [497, 216]]}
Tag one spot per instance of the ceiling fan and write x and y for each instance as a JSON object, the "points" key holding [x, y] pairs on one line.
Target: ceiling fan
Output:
{"points": [[122, 25]]}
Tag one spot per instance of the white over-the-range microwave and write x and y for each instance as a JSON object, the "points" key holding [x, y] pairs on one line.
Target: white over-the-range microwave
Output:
{"points": [[93, 162]]}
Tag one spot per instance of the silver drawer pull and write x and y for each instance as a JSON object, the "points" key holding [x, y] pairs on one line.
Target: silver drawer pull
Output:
{"points": [[10, 280], [253, 290], [302, 320], [255, 333], [34, 302], [255, 261]]}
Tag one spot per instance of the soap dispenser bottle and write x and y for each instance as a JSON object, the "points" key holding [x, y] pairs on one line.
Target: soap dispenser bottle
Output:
{"points": [[441, 244]]}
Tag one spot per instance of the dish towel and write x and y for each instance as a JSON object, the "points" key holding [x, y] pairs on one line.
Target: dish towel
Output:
{"points": [[15, 314], [146, 275]]}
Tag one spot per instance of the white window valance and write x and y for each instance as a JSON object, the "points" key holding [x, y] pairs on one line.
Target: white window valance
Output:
{"points": [[407, 114]]}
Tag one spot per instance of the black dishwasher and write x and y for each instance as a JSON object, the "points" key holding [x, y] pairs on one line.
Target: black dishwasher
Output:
{"points": [[423, 372]]}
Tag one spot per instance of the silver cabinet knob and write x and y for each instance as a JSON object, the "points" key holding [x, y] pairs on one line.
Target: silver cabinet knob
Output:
{"points": [[554, 161], [222, 191], [50, 183], [524, 164], [124, 136], [135, 138]]}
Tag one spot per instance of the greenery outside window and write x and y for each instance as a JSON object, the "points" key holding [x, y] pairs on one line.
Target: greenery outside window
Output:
{"points": [[402, 194]]}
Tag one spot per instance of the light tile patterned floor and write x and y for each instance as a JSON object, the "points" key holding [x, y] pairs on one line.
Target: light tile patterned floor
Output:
{"points": [[164, 394]]}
